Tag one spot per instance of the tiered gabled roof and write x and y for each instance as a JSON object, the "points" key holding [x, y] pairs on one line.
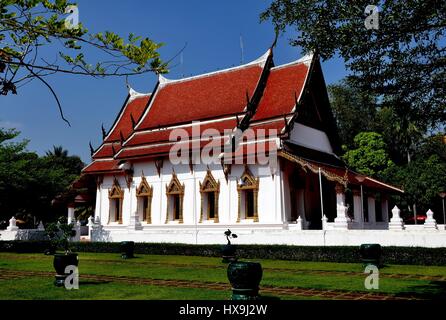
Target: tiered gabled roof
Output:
{"points": [[218, 100], [254, 96]]}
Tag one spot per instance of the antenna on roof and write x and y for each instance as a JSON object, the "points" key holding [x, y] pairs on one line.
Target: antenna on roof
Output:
{"points": [[241, 50]]}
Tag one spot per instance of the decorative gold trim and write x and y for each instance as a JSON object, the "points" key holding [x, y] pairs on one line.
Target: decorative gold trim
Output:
{"points": [[249, 183], [116, 193], [209, 185], [146, 191], [175, 188], [315, 169]]}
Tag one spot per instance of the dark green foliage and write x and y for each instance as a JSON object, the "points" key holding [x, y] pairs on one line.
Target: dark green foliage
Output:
{"points": [[59, 234], [29, 183], [354, 111], [391, 255], [402, 61], [369, 155]]}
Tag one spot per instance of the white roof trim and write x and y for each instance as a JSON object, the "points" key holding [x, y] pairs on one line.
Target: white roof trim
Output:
{"points": [[306, 59], [259, 61], [134, 94]]}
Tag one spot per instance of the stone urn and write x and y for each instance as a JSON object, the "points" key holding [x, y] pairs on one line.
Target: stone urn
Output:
{"points": [[228, 253], [61, 262], [371, 254], [127, 249], [245, 278]]}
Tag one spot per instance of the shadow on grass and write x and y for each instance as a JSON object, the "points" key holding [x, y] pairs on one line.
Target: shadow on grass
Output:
{"points": [[435, 290]]}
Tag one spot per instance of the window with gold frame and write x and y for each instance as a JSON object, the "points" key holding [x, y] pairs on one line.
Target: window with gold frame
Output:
{"points": [[210, 191], [175, 196], [116, 197], [248, 192], [144, 194]]}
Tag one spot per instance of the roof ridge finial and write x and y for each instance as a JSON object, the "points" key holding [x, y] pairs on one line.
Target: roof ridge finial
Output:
{"points": [[91, 149], [104, 133]]}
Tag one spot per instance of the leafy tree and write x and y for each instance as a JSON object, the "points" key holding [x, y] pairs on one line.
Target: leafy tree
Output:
{"points": [[353, 110], [29, 26], [369, 156], [29, 183], [58, 152], [422, 179], [403, 62]]}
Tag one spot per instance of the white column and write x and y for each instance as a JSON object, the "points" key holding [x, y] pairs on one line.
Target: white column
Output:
{"points": [[357, 207], [385, 209], [371, 209], [70, 214], [341, 220], [396, 223], [430, 222]]}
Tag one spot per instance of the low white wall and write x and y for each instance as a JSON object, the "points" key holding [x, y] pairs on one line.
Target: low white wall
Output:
{"points": [[24, 234], [275, 234]]}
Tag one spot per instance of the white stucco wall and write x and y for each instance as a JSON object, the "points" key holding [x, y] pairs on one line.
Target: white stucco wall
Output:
{"points": [[269, 196], [272, 227]]}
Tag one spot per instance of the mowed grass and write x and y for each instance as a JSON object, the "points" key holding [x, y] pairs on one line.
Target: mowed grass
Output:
{"points": [[277, 273]]}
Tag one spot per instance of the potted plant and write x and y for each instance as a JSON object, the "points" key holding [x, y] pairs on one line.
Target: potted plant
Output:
{"points": [[59, 234], [245, 278], [228, 250], [371, 254], [127, 249]]}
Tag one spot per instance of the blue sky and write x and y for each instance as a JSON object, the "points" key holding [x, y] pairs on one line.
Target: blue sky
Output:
{"points": [[212, 31]]}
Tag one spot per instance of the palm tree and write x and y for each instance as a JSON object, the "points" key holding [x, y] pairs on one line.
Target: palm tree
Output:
{"points": [[58, 152]]}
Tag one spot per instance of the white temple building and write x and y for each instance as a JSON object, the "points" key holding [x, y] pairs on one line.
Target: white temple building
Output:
{"points": [[254, 149]]}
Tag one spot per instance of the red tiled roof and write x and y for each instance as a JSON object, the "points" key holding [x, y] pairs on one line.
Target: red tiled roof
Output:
{"points": [[283, 87], [141, 138], [203, 97], [106, 150], [102, 166], [134, 108], [164, 149]]}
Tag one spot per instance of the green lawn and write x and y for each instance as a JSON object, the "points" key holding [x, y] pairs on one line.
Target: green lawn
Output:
{"points": [[277, 274]]}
